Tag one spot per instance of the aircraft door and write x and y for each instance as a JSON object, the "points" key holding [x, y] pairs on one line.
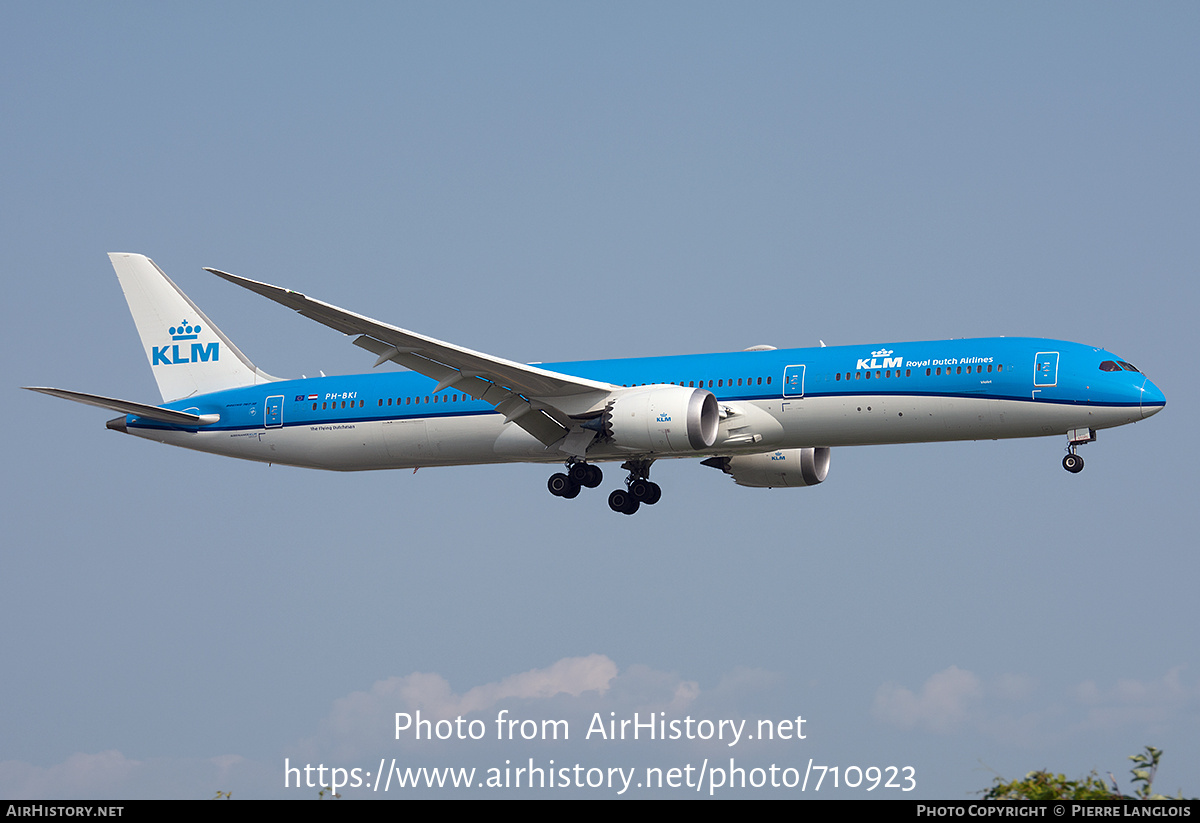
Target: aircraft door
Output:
{"points": [[1045, 368], [793, 381], [273, 412]]}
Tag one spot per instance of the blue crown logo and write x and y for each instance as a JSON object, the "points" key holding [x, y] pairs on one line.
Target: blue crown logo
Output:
{"points": [[185, 331]]}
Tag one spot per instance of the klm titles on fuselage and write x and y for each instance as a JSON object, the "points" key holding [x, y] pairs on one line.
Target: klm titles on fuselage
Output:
{"points": [[877, 363], [950, 361], [883, 359]]}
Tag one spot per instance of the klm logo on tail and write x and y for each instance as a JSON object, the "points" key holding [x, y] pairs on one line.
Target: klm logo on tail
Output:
{"points": [[170, 355]]}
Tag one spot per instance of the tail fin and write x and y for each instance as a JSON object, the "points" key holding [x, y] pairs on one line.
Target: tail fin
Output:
{"points": [[187, 353]]}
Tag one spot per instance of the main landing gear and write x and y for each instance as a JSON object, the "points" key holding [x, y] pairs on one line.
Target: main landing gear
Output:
{"points": [[638, 489], [577, 476], [1075, 438]]}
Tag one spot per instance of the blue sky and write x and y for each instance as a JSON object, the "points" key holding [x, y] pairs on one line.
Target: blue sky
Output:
{"points": [[561, 182]]}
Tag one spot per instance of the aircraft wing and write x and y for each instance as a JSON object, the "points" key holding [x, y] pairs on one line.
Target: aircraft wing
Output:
{"points": [[538, 400]]}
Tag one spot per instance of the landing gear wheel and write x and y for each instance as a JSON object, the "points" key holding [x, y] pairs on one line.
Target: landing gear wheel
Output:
{"points": [[623, 502], [559, 485], [653, 494], [595, 477], [645, 491], [1073, 463]]}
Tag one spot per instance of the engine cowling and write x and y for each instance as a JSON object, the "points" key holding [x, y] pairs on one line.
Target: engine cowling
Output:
{"points": [[663, 420], [786, 468]]}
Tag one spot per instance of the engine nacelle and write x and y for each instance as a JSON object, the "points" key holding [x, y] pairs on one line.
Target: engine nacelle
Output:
{"points": [[664, 420], [779, 469]]}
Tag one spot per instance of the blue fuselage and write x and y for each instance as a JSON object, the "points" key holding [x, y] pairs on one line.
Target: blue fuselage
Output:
{"points": [[789, 398]]}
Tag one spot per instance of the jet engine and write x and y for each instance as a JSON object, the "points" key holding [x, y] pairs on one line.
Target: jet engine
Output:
{"points": [[666, 419], [779, 469]]}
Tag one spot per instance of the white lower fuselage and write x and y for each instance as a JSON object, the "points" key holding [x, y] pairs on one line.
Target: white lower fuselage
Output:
{"points": [[454, 440]]}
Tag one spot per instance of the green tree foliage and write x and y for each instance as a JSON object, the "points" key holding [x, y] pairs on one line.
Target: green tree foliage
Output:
{"points": [[1043, 785]]}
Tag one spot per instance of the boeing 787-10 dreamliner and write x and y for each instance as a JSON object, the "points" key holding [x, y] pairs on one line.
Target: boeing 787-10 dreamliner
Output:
{"points": [[767, 417]]}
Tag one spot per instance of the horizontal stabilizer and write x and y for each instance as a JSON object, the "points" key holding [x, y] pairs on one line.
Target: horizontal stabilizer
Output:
{"points": [[175, 418]]}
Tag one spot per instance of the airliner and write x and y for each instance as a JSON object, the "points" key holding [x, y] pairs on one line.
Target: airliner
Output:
{"points": [[766, 417]]}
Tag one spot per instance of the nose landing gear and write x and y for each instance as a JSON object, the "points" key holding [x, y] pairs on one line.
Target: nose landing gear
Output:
{"points": [[1075, 438]]}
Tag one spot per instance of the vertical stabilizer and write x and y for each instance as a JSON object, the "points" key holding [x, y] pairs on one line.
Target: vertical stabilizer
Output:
{"points": [[187, 353]]}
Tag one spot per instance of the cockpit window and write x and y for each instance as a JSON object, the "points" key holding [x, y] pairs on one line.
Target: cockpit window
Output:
{"points": [[1118, 365]]}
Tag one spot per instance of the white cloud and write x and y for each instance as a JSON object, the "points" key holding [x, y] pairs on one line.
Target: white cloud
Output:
{"points": [[1008, 707], [363, 720], [361, 726], [1015, 686], [942, 705], [79, 775], [1153, 704]]}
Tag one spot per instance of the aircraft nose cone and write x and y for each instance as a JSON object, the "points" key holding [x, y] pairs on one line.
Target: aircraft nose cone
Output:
{"points": [[1153, 400]]}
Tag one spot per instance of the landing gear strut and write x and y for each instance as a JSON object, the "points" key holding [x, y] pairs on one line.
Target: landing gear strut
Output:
{"points": [[577, 476], [1075, 438], [638, 489]]}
